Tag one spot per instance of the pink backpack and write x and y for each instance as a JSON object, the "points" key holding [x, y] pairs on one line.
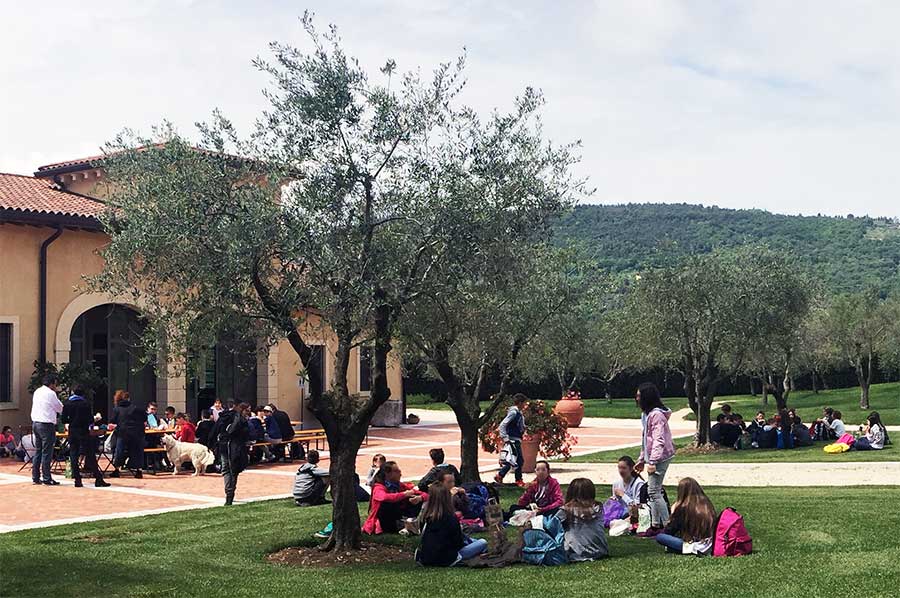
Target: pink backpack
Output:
{"points": [[731, 538]]}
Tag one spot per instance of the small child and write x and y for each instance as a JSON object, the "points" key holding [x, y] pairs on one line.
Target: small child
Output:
{"points": [[7, 442], [377, 461], [837, 424], [185, 431], [310, 482]]}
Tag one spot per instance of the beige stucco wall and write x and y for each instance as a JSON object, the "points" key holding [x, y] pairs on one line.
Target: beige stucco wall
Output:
{"points": [[75, 255], [69, 257]]}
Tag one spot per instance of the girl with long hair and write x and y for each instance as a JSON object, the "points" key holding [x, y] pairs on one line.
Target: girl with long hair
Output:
{"points": [[582, 520], [692, 524], [443, 543], [657, 450], [875, 434]]}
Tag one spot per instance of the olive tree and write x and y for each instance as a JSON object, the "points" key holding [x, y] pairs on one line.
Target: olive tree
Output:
{"points": [[341, 208], [714, 311], [477, 331], [859, 327]]}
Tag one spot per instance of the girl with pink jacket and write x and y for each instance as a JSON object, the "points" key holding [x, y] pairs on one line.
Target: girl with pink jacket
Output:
{"points": [[657, 450]]}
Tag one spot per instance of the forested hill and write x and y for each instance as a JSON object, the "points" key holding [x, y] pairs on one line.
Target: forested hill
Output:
{"points": [[846, 254]]}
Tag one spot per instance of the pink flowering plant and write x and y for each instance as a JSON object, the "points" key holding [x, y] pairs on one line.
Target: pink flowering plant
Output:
{"points": [[541, 424], [572, 395]]}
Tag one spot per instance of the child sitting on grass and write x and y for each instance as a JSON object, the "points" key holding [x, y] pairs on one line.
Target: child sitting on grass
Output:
{"points": [[874, 434], [443, 543], [692, 523]]}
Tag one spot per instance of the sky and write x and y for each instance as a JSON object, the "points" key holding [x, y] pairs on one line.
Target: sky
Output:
{"points": [[791, 107]]}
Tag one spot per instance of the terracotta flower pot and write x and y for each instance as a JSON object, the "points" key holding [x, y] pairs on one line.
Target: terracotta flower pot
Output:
{"points": [[530, 448], [571, 409]]}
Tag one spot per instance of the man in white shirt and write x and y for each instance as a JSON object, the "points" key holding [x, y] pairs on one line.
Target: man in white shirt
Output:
{"points": [[45, 406]]}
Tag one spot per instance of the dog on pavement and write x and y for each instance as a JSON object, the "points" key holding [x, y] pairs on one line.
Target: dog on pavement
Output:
{"points": [[182, 452]]}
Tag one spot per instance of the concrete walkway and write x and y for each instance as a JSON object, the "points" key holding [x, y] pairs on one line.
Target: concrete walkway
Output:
{"points": [[886, 473]]}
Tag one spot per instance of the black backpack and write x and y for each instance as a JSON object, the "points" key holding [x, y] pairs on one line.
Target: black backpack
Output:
{"points": [[645, 496]]}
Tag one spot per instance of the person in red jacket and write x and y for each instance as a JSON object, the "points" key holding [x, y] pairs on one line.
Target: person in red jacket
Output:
{"points": [[185, 431], [544, 492], [392, 501]]}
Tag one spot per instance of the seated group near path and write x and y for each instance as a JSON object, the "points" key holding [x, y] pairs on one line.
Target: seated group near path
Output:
{"points": [[786, 430]]}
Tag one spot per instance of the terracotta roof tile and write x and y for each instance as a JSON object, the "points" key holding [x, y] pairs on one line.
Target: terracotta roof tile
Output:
{"points": [[33, 195]]}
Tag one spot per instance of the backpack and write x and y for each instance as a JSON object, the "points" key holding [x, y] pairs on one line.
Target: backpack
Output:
{"points": [[644, 496], [545, 546], [478, 497], [731, 537]]}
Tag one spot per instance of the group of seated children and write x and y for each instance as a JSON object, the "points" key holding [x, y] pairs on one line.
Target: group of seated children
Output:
{"points": [[786, 430], [569, 529]]}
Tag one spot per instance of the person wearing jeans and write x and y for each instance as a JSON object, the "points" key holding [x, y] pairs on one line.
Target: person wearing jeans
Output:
{"points": [[657, 450], [511, 430], [45, 407], [473, 548], [659, 510]]}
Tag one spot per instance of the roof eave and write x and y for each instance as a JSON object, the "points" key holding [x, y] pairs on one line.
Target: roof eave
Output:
{"points": [[33, 218]]}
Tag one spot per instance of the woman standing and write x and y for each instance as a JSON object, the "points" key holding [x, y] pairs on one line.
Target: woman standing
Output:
{"points": [[129, 420], [657, 450]]}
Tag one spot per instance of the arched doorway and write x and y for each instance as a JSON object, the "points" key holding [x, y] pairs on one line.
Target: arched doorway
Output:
{"points": [[108, 336]]}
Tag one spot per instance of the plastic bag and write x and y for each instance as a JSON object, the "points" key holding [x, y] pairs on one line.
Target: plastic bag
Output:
{"points": [[619, 527], [613, 509], [508, 456], [520, 518], [643, 519]]}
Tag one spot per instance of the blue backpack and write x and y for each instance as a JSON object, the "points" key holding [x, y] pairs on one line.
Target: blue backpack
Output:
{"points": [[545, 546], [478, 497]]}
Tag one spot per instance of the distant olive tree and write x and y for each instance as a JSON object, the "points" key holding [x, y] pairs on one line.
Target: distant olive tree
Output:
{"points": [[712, 312], [860, 326]]}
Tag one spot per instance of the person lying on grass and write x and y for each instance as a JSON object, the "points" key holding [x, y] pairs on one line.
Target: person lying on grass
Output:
{"points": [[443, 543], [544, 493], [692, 522], [392, 501]]}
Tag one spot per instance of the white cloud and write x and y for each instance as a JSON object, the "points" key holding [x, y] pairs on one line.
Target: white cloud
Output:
{"points": [[791, 107]]}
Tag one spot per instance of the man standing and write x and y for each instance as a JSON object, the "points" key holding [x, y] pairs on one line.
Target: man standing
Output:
{"points": [[45, 406], [77, 414]]}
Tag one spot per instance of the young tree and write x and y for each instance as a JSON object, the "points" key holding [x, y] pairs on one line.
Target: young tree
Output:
{"points": [[860, 326], [481, 328], [590, 339], [343, 207], [715, 309]]}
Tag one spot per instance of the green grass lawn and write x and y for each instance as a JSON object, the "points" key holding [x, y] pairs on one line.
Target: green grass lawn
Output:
{"points": [[808, 542], [618, 408], [884, 398], [797, 455]]}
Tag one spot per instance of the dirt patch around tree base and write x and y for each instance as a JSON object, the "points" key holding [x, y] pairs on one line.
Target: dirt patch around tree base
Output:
{"points": [[703, 449], [369, 554]]}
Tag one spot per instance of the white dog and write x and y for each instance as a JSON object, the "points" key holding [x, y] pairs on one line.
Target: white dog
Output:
{"points": [[181, 452]]}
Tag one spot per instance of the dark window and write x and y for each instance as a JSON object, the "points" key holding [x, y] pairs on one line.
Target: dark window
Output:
{"points": [[365, 369], [318, 362], [6, 364]]}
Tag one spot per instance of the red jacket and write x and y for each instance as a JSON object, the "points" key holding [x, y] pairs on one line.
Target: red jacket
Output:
{"points": [[380, 494], [186, 432], [550, 499]]}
